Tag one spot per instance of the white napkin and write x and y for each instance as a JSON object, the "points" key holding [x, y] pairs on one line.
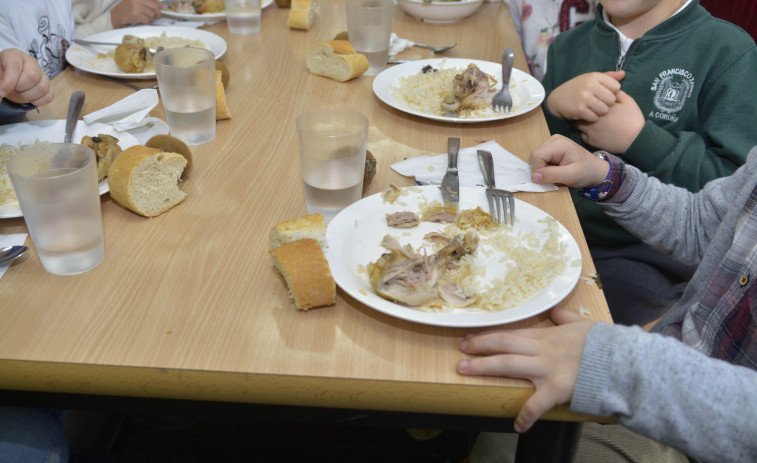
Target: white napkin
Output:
{"points": [[397, 44], [15, 239], [510, 172], [132, 115]]}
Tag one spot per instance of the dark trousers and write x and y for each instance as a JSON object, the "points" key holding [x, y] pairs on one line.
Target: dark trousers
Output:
{"points": [[640, 283]]}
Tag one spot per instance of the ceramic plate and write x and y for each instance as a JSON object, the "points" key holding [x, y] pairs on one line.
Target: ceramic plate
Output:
{"points": [[203, 17], [354, 240], [52, 131], [526, 90], [94, 58]]}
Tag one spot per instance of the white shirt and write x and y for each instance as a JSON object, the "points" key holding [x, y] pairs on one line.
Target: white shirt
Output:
{"points": [[40, 28]]}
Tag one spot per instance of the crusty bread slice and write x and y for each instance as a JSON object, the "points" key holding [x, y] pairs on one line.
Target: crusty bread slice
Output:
{"points": [[306, 271], [146, 179], [302, 15], [310, 226], [336, 59], [222, 109]]}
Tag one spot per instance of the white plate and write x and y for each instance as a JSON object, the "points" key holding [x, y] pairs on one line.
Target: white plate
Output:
{"points": [[205, 16], [52, 131], [354, 240], [526, 90], [87, 59]]}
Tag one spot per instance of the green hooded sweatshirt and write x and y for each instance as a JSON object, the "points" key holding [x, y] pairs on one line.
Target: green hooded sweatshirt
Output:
{"points": [[694, 78]]}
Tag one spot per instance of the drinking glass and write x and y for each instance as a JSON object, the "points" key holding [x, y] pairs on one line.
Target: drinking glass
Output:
{"points": [[57, 189], [243, 16], [187, 85], [332, 157], [369, 27]]}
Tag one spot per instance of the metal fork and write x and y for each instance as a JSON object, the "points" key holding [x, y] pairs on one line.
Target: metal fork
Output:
{"points": [[500, 201], [502, 101]]}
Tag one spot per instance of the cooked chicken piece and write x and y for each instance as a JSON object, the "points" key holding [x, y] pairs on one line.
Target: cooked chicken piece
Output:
{"points": [[453, 294], [390, 194], [411, 278], [439, 214], [473, 89], [404, 219], [106, 149], [437, 237], [209, 6], [132, 54], [475, 218]]}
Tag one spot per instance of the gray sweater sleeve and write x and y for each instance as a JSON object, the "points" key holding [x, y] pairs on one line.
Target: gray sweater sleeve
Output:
{"points": [[671, 218], [664, 389]]}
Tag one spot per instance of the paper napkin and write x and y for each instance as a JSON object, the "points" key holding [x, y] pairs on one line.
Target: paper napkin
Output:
{"points": [[132, 115], [397, 44], [15, 239], [510, 172]]}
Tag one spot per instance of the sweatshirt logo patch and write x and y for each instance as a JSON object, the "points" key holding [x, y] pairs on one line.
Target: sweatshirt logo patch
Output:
{"points": [[671, 89]]}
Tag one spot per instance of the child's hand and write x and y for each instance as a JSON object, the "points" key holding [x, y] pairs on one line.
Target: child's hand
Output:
{"points": [[22, 80], [616, 130], [127, 12], [586, 97], [561, 160], [548, 357]]}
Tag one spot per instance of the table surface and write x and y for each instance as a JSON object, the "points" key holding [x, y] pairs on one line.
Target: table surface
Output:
{"points": [[188, 304]]}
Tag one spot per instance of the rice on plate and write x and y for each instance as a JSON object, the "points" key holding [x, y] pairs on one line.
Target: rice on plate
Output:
{"points": [[424, 92]]}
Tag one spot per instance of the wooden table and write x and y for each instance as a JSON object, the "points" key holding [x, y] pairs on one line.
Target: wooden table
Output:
{"points": [[188, 305]]}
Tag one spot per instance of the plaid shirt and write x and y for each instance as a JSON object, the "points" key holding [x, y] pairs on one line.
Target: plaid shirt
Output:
{"points": [[723, 323]]}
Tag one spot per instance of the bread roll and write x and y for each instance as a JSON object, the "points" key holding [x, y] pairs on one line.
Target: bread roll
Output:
{"points": [[302, 15], [310, 226], [146, 179], [336, 59], [222, 110], [306, 271]]}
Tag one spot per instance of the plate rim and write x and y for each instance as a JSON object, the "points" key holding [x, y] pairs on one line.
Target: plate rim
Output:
{"points": [[209, 16], [141, 31], [56, 124], [381, 85], [333, 255]]}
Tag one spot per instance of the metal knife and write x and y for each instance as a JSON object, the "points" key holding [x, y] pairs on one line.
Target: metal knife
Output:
{"points": [[451, 182]]}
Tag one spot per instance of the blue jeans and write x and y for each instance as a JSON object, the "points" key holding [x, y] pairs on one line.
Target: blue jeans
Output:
{"points": [[30, 435]]}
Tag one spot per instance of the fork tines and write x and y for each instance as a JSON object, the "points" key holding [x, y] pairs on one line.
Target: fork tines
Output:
{"points": [[501, 205]]}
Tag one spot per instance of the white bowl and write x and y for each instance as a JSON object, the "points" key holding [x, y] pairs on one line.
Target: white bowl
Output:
{"points": [[440, 12]]}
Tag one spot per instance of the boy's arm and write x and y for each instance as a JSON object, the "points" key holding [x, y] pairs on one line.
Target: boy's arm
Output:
{"points": [[661, 388]]}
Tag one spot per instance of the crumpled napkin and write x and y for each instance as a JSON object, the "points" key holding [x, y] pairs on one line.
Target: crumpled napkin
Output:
{"points": [[510, 172], [15, 239], [397, 44], [132, 115]]}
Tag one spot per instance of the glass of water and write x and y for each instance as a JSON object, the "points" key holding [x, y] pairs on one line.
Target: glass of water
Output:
{"points": [[243, 16], [369, 26], [187, 85], [56, 186], [332, 157]]}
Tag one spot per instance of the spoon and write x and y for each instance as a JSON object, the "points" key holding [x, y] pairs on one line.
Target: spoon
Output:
{"points": [[435, 49], [9, 253], [74, 110]]}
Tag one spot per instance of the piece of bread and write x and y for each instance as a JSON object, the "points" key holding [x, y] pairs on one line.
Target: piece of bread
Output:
{"points": [[336, 59], [222, 111], [310, 226], [146, 179], [306, 271], [302, 14], [171, 144]]}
